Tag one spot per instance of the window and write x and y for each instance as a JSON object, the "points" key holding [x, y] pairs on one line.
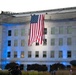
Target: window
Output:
{"points": [[61, 30], [45, 30], [8, 54], [60, 41], [15, 42], [9, 42], [22, 54], [22, 32], [53, 30], [52, 42], [16, 32], [29, 54], [69, 30], [37, 54], [60, 54], [68, 54], [52, 54], [44, 41], [44, 54], [9, 32], [69, 41], [22, 42], [15, 54], [74, 53], [37, 43]]}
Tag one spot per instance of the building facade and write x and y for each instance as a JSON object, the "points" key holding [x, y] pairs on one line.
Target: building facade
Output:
{"points": [[59, 45]]}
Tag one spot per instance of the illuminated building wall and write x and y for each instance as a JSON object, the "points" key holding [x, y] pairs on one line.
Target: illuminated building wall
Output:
{"points": [[59, 45], [0, 43]]}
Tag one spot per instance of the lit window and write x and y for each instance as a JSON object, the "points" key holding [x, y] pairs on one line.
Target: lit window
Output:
{"points": [[69, 30], [60, 41], [52, 54], [16, 32], [22, 32], [52, 41], [22, 42], [37, 54], [69, 41], [53, 30], [22, 54], [60, 54], [15, 42]]}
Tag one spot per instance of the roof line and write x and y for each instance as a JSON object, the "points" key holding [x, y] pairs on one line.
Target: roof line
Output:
{"points": [[42, 11], [59, 9]]}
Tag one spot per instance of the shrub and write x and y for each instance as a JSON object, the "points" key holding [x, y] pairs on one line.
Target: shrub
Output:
{"points": [[11, 65], [57, 66], [21, 66], [73, 62], [37, 67]]}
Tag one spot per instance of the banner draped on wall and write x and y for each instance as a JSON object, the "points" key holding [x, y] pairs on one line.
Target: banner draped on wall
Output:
{"points": [[36, 29]]}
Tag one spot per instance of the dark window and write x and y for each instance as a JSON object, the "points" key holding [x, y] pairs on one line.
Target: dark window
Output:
{"points": [[45, 30], [44, 41], [8, 54], [9, 32], [44, 54], [37, 43], [69, 54], [15, 54], [37, 54], [9, 42], [29, 54]]}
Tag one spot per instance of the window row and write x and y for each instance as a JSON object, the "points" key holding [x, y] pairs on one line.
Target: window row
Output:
{"points": [[44, 54], [16, 42], [16, 32], [60, 41], [61, 30], [52, 42]]}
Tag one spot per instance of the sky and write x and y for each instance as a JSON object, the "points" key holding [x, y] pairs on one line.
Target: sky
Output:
{"points": [[17, 6]]}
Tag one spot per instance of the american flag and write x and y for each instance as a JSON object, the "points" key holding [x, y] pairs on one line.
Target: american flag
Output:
{"points": [[36, 29]]}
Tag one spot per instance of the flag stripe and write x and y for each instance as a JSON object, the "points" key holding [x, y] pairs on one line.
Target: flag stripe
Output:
{"points": [[36, 30]]}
